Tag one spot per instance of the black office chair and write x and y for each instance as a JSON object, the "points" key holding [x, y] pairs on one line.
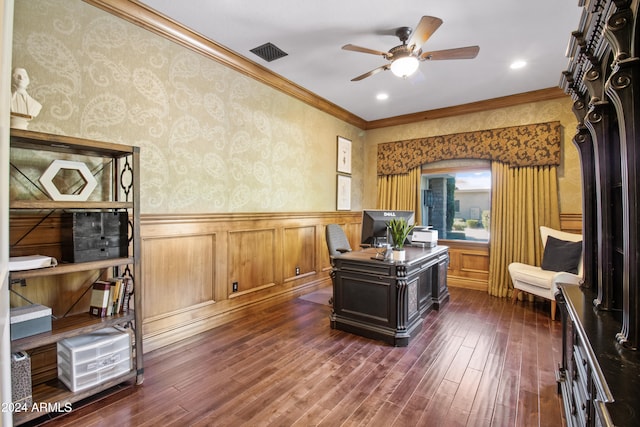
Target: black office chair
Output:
{"points": [[337, 243]]}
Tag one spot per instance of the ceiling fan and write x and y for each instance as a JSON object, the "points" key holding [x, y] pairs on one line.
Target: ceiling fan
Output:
{"points": [[405, 58]]}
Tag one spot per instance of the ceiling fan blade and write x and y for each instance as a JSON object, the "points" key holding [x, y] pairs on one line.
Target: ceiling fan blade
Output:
{"points": [[426, 27], [371, 73], [468, 52], [363, 50]]}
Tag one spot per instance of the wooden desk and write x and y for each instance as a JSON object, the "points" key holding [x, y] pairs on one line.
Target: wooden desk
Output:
{"points": [[386, 300]]}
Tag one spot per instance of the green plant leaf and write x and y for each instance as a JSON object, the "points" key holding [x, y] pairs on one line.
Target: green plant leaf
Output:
{"points": [[399, 229]]}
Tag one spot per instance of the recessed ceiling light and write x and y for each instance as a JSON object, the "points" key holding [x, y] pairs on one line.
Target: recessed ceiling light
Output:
{"points": [[382, 96], [517, 64]]}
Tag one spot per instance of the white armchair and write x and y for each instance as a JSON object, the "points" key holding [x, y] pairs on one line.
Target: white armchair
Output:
{"points": [[536, 281]]}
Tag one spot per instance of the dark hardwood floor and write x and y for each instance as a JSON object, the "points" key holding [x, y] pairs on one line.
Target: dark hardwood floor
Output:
{"points": [[479, 361]]}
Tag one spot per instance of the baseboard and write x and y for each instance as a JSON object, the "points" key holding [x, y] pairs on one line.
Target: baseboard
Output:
{"points": [[462, 282]]}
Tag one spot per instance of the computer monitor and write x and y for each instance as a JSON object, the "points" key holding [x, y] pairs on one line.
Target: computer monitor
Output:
{"points": [[374, 224]]}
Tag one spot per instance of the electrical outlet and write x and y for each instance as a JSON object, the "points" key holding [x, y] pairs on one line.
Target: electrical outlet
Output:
{"points": [[297, 271], [235, 286]]}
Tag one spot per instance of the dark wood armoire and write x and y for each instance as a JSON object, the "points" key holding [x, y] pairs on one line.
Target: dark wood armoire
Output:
{"points": [[599, 377]]}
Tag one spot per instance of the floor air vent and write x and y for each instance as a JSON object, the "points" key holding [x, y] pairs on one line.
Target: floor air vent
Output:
{"points": [[269, 52]]}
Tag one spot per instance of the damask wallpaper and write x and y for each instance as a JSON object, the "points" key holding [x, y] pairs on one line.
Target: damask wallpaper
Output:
{"points": [[212, 140]]}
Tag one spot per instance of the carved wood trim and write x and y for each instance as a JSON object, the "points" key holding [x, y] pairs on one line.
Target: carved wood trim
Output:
{"points": [[602, 78]]}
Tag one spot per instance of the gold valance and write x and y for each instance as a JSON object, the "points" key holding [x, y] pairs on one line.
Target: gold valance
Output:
{"points": [[527, 145]]}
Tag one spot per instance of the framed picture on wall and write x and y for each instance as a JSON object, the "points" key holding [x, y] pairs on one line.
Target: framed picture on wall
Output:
{"points": [[344, 155], [344, 193]]}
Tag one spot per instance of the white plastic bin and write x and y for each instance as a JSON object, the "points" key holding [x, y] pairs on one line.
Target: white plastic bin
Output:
{"points": [[88, 360]]}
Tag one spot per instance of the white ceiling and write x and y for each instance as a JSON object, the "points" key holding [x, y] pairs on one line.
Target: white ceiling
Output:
{"points": [[313, 32]]}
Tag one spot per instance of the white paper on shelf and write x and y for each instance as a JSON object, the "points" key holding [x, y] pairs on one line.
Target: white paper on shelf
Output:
{"points": [[31, 262]]}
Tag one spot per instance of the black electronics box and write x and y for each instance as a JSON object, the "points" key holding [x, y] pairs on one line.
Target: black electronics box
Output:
{"points": [[93, 236]]}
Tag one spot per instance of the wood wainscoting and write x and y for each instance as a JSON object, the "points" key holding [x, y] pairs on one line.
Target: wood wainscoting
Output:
{"points": [[191, 262], [202, 271], [571, 222], [468, 264], [469, 261]]}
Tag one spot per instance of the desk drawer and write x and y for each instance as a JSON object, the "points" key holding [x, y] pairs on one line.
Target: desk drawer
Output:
{"points": [[373, 269]]}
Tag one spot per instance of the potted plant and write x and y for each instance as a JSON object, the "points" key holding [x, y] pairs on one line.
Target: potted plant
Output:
{"points": [[399, 229]]}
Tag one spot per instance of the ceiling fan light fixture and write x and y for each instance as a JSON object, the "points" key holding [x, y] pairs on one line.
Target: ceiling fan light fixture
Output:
{"points": [[404, 59], [404, 66]]}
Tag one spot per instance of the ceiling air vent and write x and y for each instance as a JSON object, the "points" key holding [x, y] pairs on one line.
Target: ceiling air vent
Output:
{"points": [[269, 52]]}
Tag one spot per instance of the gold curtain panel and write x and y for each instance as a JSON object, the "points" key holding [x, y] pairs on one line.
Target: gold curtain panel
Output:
{"points": [[528, 145]]}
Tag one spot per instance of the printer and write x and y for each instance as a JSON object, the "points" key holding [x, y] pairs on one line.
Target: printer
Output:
{"points": [[424, 236]]}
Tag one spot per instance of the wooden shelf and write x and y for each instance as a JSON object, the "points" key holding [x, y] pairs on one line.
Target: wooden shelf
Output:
{"points": [[70, 268], [39, 229], [70, 326], [50, 204], [67, 144], [55, 392]]}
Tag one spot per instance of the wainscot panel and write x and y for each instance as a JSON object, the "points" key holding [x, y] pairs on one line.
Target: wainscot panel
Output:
{"points": [[182, 287], [192, 263], [468, 264], [252, 260], [301, 249]]}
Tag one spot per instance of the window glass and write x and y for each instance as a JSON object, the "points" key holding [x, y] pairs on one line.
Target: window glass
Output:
{"points": [[457, 201]]}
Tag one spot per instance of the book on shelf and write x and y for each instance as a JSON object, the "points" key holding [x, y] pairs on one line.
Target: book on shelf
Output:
{"points": [[120, 299], [128, 291], [100, 298], [114, 295], [117, 302], [110, 297]]}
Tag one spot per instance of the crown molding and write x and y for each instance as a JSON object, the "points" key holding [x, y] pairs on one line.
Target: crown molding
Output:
{"points": [[149, 19], [473, 107]]}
